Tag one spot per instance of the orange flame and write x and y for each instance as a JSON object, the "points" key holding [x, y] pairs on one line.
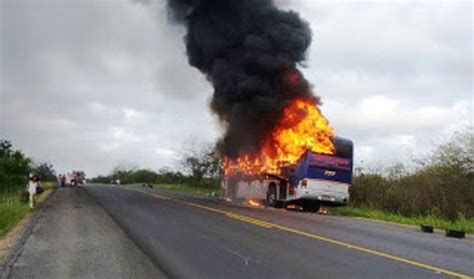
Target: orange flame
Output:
{"points": [[301, 128], [253, 202]]}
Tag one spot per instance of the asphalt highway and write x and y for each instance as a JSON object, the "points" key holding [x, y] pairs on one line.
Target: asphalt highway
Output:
{"points": [[199, 237]]}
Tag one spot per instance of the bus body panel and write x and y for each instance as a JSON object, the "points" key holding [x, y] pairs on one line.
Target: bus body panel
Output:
{"points": [[323, 190], [248, 189], [255, 189]]}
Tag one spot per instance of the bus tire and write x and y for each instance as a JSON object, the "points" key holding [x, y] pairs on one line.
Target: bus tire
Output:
{"points": [[311, 207], [272, 195], [316, 207], [279, 204]]}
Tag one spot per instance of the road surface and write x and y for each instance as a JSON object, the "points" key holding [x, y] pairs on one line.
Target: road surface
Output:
{"points": [[199, 237], [75, 238]]}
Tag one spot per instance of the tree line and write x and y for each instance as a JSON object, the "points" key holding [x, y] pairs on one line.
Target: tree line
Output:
{"points": [[198, 166], [15, 168]]}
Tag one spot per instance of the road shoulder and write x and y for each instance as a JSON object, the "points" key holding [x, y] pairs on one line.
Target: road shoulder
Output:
{"points": [[75, 238], [11, 243]]}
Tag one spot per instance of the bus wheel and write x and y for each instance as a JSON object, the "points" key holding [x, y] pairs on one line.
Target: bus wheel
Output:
{"points": [[272, 195], [279, 204], [311, 207], [316, 207]]}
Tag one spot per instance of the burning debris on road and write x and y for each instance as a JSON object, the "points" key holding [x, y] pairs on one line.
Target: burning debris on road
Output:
{"points": [[249, 51]]}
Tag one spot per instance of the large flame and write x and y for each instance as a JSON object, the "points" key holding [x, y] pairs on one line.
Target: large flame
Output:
{"points": [[301, 128]]}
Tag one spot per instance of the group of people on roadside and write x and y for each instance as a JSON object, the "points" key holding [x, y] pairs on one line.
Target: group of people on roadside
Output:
{"points": [[34, 187], [61, 180]]}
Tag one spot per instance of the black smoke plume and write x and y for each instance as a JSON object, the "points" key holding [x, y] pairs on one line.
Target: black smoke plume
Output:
{"points": [[248, 50]]}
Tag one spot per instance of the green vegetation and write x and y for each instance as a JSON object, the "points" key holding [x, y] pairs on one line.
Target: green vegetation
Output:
{"points": [[14, 170], [11, 210], [466, 225], [199, 167], [48, 185], [44, 171], [134, 176], [439, 190], [187, 189]]}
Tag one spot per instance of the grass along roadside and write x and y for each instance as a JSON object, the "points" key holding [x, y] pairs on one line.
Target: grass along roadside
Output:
{"points": [[188, 189], [466, 225], [12, 210]]}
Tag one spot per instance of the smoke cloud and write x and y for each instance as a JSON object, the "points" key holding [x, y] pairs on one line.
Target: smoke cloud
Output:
{"points": [[249, 51]]}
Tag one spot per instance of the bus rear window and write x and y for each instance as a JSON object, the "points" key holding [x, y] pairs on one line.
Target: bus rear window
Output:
{"points": [[328, 161]]}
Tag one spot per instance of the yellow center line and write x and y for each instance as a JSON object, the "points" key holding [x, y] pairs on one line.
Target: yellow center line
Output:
{"points": [[160, 196], [249, 220], [265, 224], [253, 222]]}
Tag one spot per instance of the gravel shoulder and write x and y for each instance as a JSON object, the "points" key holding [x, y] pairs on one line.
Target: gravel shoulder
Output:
{"points": [[75, 238]]}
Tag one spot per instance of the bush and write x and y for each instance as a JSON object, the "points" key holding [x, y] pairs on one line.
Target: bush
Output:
{"points": [[441, 185], [14, 167], [202, 165], [44, 171], [163, 176]]}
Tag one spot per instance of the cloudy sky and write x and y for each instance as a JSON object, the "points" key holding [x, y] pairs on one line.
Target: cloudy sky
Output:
{"points": [[93, 84]]}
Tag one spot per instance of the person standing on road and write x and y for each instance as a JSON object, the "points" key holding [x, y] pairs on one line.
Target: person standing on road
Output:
{"points": [[58, 181], [32, 185], [63, 180]]}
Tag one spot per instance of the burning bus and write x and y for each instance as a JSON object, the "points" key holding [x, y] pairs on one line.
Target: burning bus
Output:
{"points": [[314, 180], [301, 163], [276, 145]]}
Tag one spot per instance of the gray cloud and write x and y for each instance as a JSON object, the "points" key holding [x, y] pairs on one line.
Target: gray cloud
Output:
{"points": [[89, 84]]}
